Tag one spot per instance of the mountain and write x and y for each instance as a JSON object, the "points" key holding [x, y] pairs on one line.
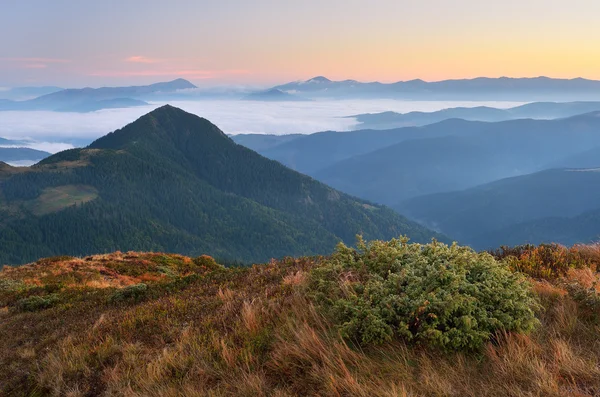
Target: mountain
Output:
{"points": [[19, 154], [25, 93], [565, 230], [536, 110], [4, 141], [273, 95], [466, 157], [479, 215], [390, 120], [260, 142], [84, 99], [92, 106], [172, 181], [310, 153], [589, 158], [503, 88]]}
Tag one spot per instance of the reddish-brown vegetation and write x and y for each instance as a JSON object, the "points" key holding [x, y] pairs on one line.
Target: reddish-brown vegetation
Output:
{"points": [[198, 329]]}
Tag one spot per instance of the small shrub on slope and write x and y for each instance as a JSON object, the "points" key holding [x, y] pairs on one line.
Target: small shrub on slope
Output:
{"points": [[547, 261], [446, 296], [134, 293], [35, 303]]}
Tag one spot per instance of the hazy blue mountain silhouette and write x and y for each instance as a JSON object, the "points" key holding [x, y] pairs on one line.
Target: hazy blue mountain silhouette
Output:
{"points": [[503, 88], [488, 215], [536, 110]]}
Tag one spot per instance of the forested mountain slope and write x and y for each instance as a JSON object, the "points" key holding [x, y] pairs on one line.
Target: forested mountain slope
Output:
{"points": [[172, 181]]}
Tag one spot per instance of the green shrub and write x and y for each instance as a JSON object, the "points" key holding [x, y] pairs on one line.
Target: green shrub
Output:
{"points": [[206, 263], [9, 285], [36, 302], [548, 261], [447, 296], [588, 299], [134, 293]]}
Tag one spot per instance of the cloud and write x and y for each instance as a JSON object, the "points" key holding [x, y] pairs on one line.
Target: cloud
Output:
{"points": [[21, 163], [50, 147], [35, 66], [36, 60], [32, 63], [50, 130], [190, 73], [142, 59]]}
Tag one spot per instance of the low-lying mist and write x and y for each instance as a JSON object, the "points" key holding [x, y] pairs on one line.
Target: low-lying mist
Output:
{"points": [[55, 131]]}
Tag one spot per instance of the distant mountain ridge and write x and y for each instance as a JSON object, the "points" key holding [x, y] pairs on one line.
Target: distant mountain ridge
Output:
{"points": [[513, 210], [19, 154], [25, 93], [503, 88], [89, 99], [260, 142], [389, 166], [535, 110], [172, 181], [273, 95], [469, 154]]}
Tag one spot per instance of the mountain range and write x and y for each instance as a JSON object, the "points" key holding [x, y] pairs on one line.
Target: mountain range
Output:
{"points": [[91, 99], [503, 88], [172, 181], [535, 110], [483, 183], [21, 154], [517, 210], [389, 166], [259, 142], [25, 93], [273, 95]]}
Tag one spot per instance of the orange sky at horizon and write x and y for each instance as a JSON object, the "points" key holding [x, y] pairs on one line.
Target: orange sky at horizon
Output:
{"points": [[268, 42]]}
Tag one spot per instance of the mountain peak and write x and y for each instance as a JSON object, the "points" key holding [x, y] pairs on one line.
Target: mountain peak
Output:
{"points": [[161, 128], [319, 79], [166, 108], [177, 84], [183, 83]]}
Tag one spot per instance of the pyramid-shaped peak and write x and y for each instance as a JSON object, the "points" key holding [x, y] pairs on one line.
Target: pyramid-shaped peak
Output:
{"points": [[177, 84], [170, 112], [165, 123]]}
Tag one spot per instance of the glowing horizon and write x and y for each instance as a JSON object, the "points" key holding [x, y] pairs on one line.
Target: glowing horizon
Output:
{"points": [[266, 42]]}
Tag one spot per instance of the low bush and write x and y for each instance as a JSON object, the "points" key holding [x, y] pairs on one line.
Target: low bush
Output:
{"points": [[548, 261], [206, 263], [36, 302], [446, 296], [9, 285], [134, 293], [588, 300]]}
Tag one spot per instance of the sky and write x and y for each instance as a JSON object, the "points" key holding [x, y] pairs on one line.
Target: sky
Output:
{"points": [[75, 43]]}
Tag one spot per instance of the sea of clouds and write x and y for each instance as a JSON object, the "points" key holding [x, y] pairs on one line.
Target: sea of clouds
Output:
{"points": [[56, 131]]}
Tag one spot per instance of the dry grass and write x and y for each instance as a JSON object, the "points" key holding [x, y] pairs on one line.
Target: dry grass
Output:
{"points": [[255, 332]]}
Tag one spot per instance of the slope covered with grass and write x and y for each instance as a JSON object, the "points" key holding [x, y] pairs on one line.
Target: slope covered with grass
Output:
{"points": [[165, 325]]}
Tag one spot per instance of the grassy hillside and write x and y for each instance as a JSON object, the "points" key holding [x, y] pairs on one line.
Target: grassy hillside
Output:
{"points": [[172, 181], [140, 324]]}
